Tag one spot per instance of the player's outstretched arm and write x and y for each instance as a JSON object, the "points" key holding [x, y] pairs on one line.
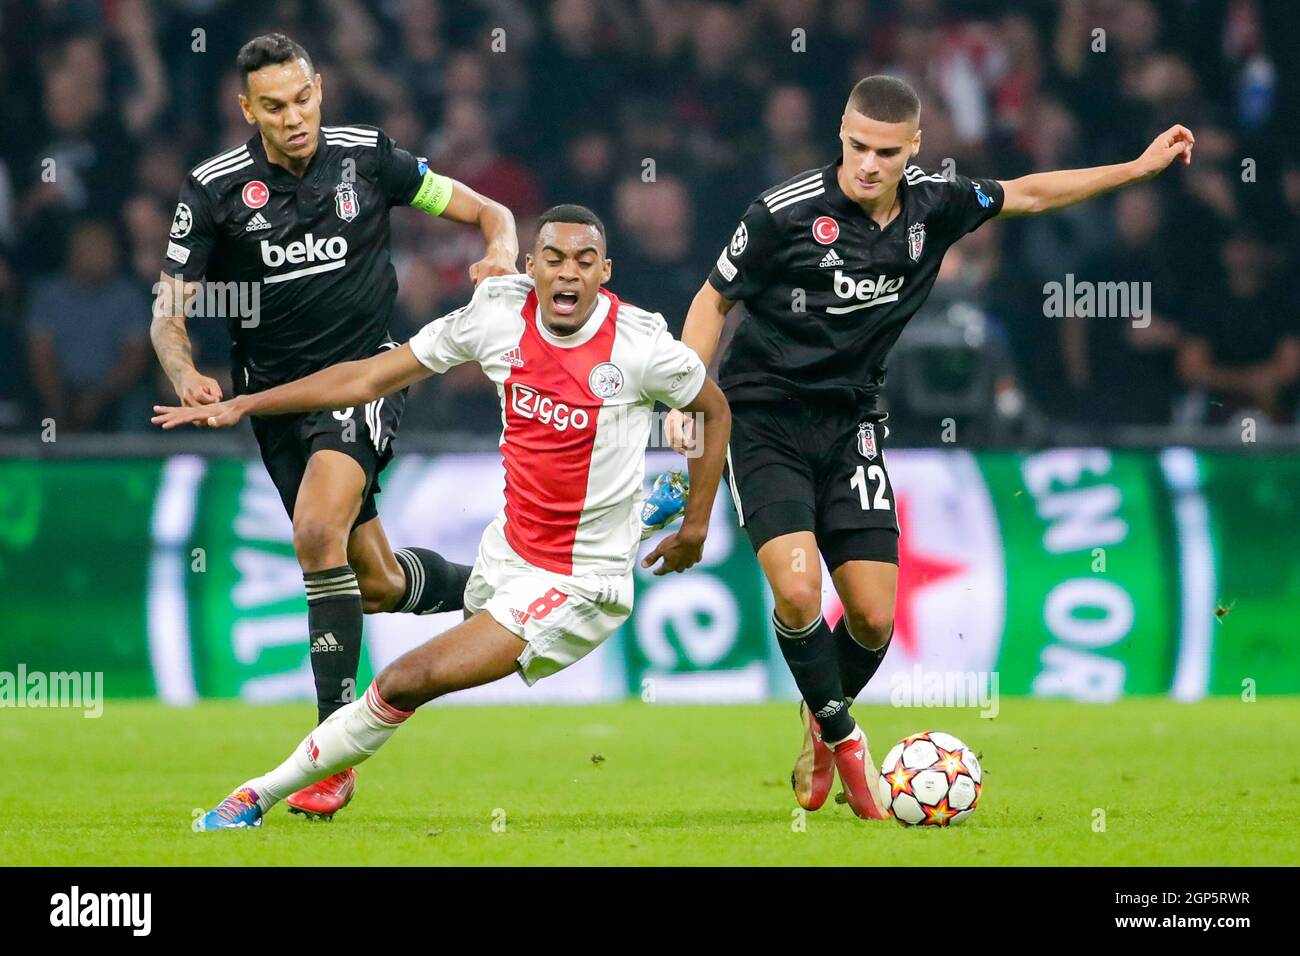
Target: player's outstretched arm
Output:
{"points": [[704, 321], [685, 547], [339, 386], [1043, 192], [171, 343], [495, 221]]}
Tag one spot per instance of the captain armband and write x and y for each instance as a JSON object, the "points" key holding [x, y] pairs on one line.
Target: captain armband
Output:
{"points": [[434, 193]]}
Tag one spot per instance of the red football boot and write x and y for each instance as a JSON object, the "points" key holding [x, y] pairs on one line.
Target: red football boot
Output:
{"points": [[324, 798], [814, 769], [860, 777]]}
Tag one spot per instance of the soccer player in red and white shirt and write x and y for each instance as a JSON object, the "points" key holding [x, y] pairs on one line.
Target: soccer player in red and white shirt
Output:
{"points": [[579, 373]]}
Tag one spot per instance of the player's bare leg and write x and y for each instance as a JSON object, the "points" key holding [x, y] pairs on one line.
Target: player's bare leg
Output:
{"points": [[329, 498], [476, 652], [867, 590], [327, 504], [379, 574], [793, 571], [414, 580], [349, 572]]}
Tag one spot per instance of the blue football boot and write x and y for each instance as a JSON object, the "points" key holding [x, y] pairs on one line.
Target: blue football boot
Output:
{"points": [[239, 811], [665, 503]]}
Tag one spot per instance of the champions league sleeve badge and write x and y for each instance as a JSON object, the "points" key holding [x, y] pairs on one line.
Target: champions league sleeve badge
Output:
{"points": [[867, 440], [345, 201]]}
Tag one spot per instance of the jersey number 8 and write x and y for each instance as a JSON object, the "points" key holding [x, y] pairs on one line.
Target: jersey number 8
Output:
{"points": [[545, 604]]}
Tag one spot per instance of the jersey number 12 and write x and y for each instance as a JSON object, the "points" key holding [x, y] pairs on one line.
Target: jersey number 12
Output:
{"points": [[859, 483]]}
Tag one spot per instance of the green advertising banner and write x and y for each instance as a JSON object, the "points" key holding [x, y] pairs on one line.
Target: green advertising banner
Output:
{"points": [[1079, 573]]}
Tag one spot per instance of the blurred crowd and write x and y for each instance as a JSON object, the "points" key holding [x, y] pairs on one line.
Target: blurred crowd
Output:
{"points": [[667, 117]]}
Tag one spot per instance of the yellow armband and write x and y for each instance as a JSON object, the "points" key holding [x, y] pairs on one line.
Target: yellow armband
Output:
{"points": [[434, 194]]}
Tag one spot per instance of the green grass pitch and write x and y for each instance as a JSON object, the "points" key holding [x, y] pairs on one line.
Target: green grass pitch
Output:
{"points": [[1215, 783]]}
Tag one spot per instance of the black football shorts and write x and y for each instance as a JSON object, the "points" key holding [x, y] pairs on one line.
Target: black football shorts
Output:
{"points": [[364, 433], [813, 466]]}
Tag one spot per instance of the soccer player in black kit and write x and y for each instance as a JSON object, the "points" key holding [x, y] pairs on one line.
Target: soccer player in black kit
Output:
{"points": [[831, 265], [295, 222]]}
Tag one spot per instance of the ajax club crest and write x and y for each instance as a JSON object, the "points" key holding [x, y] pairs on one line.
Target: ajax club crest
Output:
{"points": [[915, 240], [345, 202], [867, 440], [606, 380]]}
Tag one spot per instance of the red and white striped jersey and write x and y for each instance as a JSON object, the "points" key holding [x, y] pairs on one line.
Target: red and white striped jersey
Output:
{"points": [[576, 415]]}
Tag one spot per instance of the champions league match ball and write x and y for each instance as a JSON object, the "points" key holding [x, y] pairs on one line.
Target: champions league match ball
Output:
{"points": [[930, 779]]}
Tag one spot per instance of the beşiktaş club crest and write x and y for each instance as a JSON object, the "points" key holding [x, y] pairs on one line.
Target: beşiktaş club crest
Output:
{"points": [[606, 380], [345, 202], [867, 440], [915, 240]]}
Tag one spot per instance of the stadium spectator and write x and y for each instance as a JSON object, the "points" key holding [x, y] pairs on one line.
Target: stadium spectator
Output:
{"points": [[653, 247], [88, 338], [117, 102], [1242, 351], [15, 384], [788, 123], [1121, 368]]}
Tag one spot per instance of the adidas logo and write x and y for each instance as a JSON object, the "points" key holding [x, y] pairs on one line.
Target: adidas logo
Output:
{"points": [[513, 357], [325, 643], [830, 259], [257, 222]]}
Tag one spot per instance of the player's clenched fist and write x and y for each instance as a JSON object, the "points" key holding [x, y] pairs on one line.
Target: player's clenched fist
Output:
{"points": [[493, 264], [220, 415], [1164, 149], [679, 431], [198, 389]]}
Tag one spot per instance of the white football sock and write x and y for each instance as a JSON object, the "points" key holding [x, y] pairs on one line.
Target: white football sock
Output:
{"points": [[346, 738]]}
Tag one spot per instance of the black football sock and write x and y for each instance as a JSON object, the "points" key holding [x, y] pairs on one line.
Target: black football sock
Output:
{"points": [[857, 664], [334, 619], [810, 652], [432, 582]]}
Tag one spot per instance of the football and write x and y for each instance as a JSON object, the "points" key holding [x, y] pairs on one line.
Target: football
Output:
{"points": [[931, 779]]}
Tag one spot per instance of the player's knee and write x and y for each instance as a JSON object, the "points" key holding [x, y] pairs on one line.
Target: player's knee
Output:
{"points": [[403, 685], [870, 627], [319, 542], [798, 602]]}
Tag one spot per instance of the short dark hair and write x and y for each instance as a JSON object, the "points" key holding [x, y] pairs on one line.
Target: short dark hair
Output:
{"points": [[268, 49], [885, 98], [571, 212]]}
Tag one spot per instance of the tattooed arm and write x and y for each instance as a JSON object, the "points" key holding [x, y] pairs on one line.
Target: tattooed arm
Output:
{"points": [[171, 343]]}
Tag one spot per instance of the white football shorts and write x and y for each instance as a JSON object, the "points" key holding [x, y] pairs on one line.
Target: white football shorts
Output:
{"points": [[561, 617]]}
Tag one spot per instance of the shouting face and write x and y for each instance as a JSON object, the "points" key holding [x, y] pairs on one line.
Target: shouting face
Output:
{"points": [[568, 267]]}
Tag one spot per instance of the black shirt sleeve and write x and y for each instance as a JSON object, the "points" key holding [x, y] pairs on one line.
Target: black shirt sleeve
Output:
{"points": [[967, 204], [743, 268], [398, 173], [193, 233]]}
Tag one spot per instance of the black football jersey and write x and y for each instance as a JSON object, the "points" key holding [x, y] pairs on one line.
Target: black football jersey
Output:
{"points": [[828, 291], [316, 248]]}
